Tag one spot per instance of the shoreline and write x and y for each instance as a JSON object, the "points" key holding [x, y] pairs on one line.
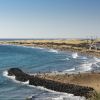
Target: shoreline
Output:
{"points": [[87, 53], [60, 45], [81, 79]]}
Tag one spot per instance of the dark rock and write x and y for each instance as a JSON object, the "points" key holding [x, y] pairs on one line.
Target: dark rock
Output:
{"points": [[19, 74], [14, 71]]}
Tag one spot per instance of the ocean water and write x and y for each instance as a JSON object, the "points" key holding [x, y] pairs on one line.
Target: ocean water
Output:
{"points": [[32, 60]]}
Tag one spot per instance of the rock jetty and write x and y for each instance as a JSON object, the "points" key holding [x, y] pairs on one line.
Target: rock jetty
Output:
{"points": [[88, 92]]}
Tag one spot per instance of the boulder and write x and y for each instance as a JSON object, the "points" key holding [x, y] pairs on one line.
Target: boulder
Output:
{"points": [[19, 74]]}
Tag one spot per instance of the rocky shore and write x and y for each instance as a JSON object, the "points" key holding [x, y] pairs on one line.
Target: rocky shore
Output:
{"points": [[88, 92]]}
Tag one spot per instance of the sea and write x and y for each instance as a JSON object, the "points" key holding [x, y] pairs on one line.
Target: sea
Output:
{"points": [[40, 60]]}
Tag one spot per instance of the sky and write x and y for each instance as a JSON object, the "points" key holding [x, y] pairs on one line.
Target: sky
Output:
{"points": [[49, 18]]}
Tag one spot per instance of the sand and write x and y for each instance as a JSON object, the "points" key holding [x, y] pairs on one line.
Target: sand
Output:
{"points": [[82, 79]]}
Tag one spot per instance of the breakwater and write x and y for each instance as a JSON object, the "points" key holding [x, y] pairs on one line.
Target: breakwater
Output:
{"points": [[87, 92]]}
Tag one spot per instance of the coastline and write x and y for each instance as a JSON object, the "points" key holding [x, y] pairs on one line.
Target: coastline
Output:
{"points": [[61, 45], [81, 79]]}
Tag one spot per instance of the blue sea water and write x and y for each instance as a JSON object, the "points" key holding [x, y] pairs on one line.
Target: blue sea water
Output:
{"points": [[32, 60]]}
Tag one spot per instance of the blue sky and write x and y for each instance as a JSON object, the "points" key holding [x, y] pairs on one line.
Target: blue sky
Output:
{"points": [[49, 18]]}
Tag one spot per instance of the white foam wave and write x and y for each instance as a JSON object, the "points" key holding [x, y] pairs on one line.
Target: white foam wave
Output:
{"points": [[84, 58], [52, 50], [68, 70], [41, 88], [74, 55], [39, 47], [62, 96], [66, 59], [96, 59], [80, 68], [92, 64], [84, 67], [5, 73]]}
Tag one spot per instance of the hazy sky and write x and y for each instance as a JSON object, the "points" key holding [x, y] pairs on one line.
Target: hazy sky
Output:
{"points": [[49, 18]]}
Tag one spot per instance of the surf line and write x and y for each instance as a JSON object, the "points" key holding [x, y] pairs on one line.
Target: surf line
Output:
{"points": [[76, 90]]}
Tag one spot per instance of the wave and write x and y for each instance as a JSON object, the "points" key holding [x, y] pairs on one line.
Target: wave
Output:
{"points": [[61, 95], [39, 48], [84, 67], [52, 50], [80, 68], [89, 66], [5, 74], [66, 59], [69, 70], [96, 59], [84, 58], [75, 55], [95, 62]]}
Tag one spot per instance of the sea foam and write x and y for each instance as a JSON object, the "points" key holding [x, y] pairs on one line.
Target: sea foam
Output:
{"points": [[96, 59], [5, 73], [52, 50], [84, 67], [60, 95], [66, 59], [75, 55]]}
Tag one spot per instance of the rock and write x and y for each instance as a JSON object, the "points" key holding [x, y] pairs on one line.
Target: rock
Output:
{"points": [[77, 90], [14, 71], [88, 92], [19, 74]]}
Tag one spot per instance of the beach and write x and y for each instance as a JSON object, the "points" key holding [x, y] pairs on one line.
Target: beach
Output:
{"points": [[73, 45], [87, 79]]}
